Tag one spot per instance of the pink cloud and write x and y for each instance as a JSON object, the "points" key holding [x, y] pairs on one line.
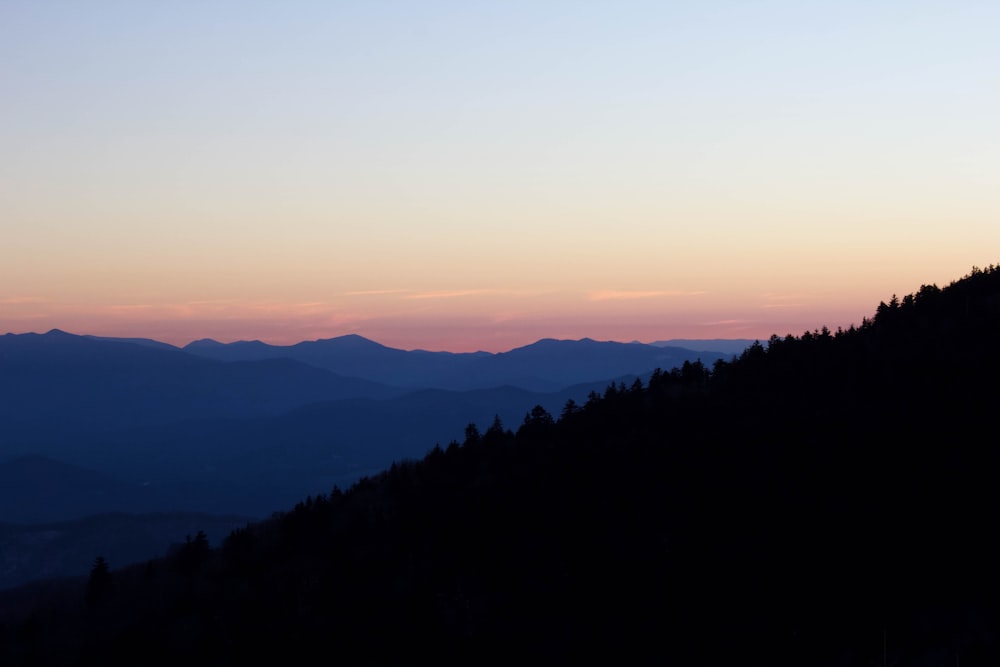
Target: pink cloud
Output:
{"points": [[607, 295], [449, 294], [21, 300], [377, 292]]}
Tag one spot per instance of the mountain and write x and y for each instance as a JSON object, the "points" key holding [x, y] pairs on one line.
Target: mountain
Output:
{"points": [[824, 499], [54, 387], [254, 466], [35, 489], [562, 362], [184, 432], [546, 365], [725, 346], [148, 342], [350, 355]]}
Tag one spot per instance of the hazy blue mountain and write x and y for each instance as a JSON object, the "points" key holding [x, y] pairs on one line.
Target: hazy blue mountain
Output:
{"points": [[148, 342], [244, 350], [254, 466], [350, 355], [546, 365], [35, 489], [727, 346], [258, 425], [549, 363], [56, 386]]}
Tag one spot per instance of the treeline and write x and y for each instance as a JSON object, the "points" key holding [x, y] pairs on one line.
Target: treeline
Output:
{"points": [[822, 499]]}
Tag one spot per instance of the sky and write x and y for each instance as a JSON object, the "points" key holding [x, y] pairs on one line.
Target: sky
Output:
{"points": [[478, 175]]}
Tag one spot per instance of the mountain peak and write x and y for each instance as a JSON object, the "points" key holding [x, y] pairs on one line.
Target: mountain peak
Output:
{"points": [[350, 341], [204, 342]]}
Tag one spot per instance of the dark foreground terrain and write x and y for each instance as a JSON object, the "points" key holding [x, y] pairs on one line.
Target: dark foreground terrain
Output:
{"points": [[824, 499]]}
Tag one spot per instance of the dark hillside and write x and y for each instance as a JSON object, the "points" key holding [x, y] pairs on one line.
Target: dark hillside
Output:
{"points": [[826, 499]]}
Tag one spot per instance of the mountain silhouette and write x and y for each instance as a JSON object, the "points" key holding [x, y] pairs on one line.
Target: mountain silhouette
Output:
{"points": [[726, 346], [35, 489], [546, 365], [237, 435], [56, 386]]}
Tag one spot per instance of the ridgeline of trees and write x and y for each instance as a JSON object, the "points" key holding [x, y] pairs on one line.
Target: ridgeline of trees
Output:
{"points": [[824, 499]]}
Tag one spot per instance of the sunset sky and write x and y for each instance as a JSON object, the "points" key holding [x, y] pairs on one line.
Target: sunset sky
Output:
{"points": [[477, 175]]}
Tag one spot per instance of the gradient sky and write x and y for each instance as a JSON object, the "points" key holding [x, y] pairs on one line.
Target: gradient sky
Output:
{"points": [[477, 175]]}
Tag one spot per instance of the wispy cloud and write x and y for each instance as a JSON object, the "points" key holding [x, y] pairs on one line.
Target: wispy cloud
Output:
{"points": [[212, 302], [721, 323], [218, 308], [131, 307], [450, 294], [376, 292], [777, 300], [607, 294], [21, 300]]}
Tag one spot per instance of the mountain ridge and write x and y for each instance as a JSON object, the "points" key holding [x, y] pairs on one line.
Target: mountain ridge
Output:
{"points": [[360, 357], [197, 429]]}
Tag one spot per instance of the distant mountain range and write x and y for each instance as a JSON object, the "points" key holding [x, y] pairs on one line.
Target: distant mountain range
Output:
{"points": [[59, 382], [546, 365], [728, 346], [140, 425]]}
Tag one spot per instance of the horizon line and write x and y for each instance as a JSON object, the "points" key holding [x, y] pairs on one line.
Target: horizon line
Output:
{"points": [[57, 330]]}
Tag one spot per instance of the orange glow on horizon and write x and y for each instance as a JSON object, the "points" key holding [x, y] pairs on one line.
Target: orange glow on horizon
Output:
{"points": [[458, 321]]}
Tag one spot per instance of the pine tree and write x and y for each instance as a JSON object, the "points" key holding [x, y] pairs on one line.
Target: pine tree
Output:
{"points": [[99, 583]]}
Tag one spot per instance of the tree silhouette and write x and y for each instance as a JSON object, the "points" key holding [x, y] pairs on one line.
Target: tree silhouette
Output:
{"points": [[496, 433], [472, 436], [193, 553], [99, 583], [539, 416], [570, 409]]}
